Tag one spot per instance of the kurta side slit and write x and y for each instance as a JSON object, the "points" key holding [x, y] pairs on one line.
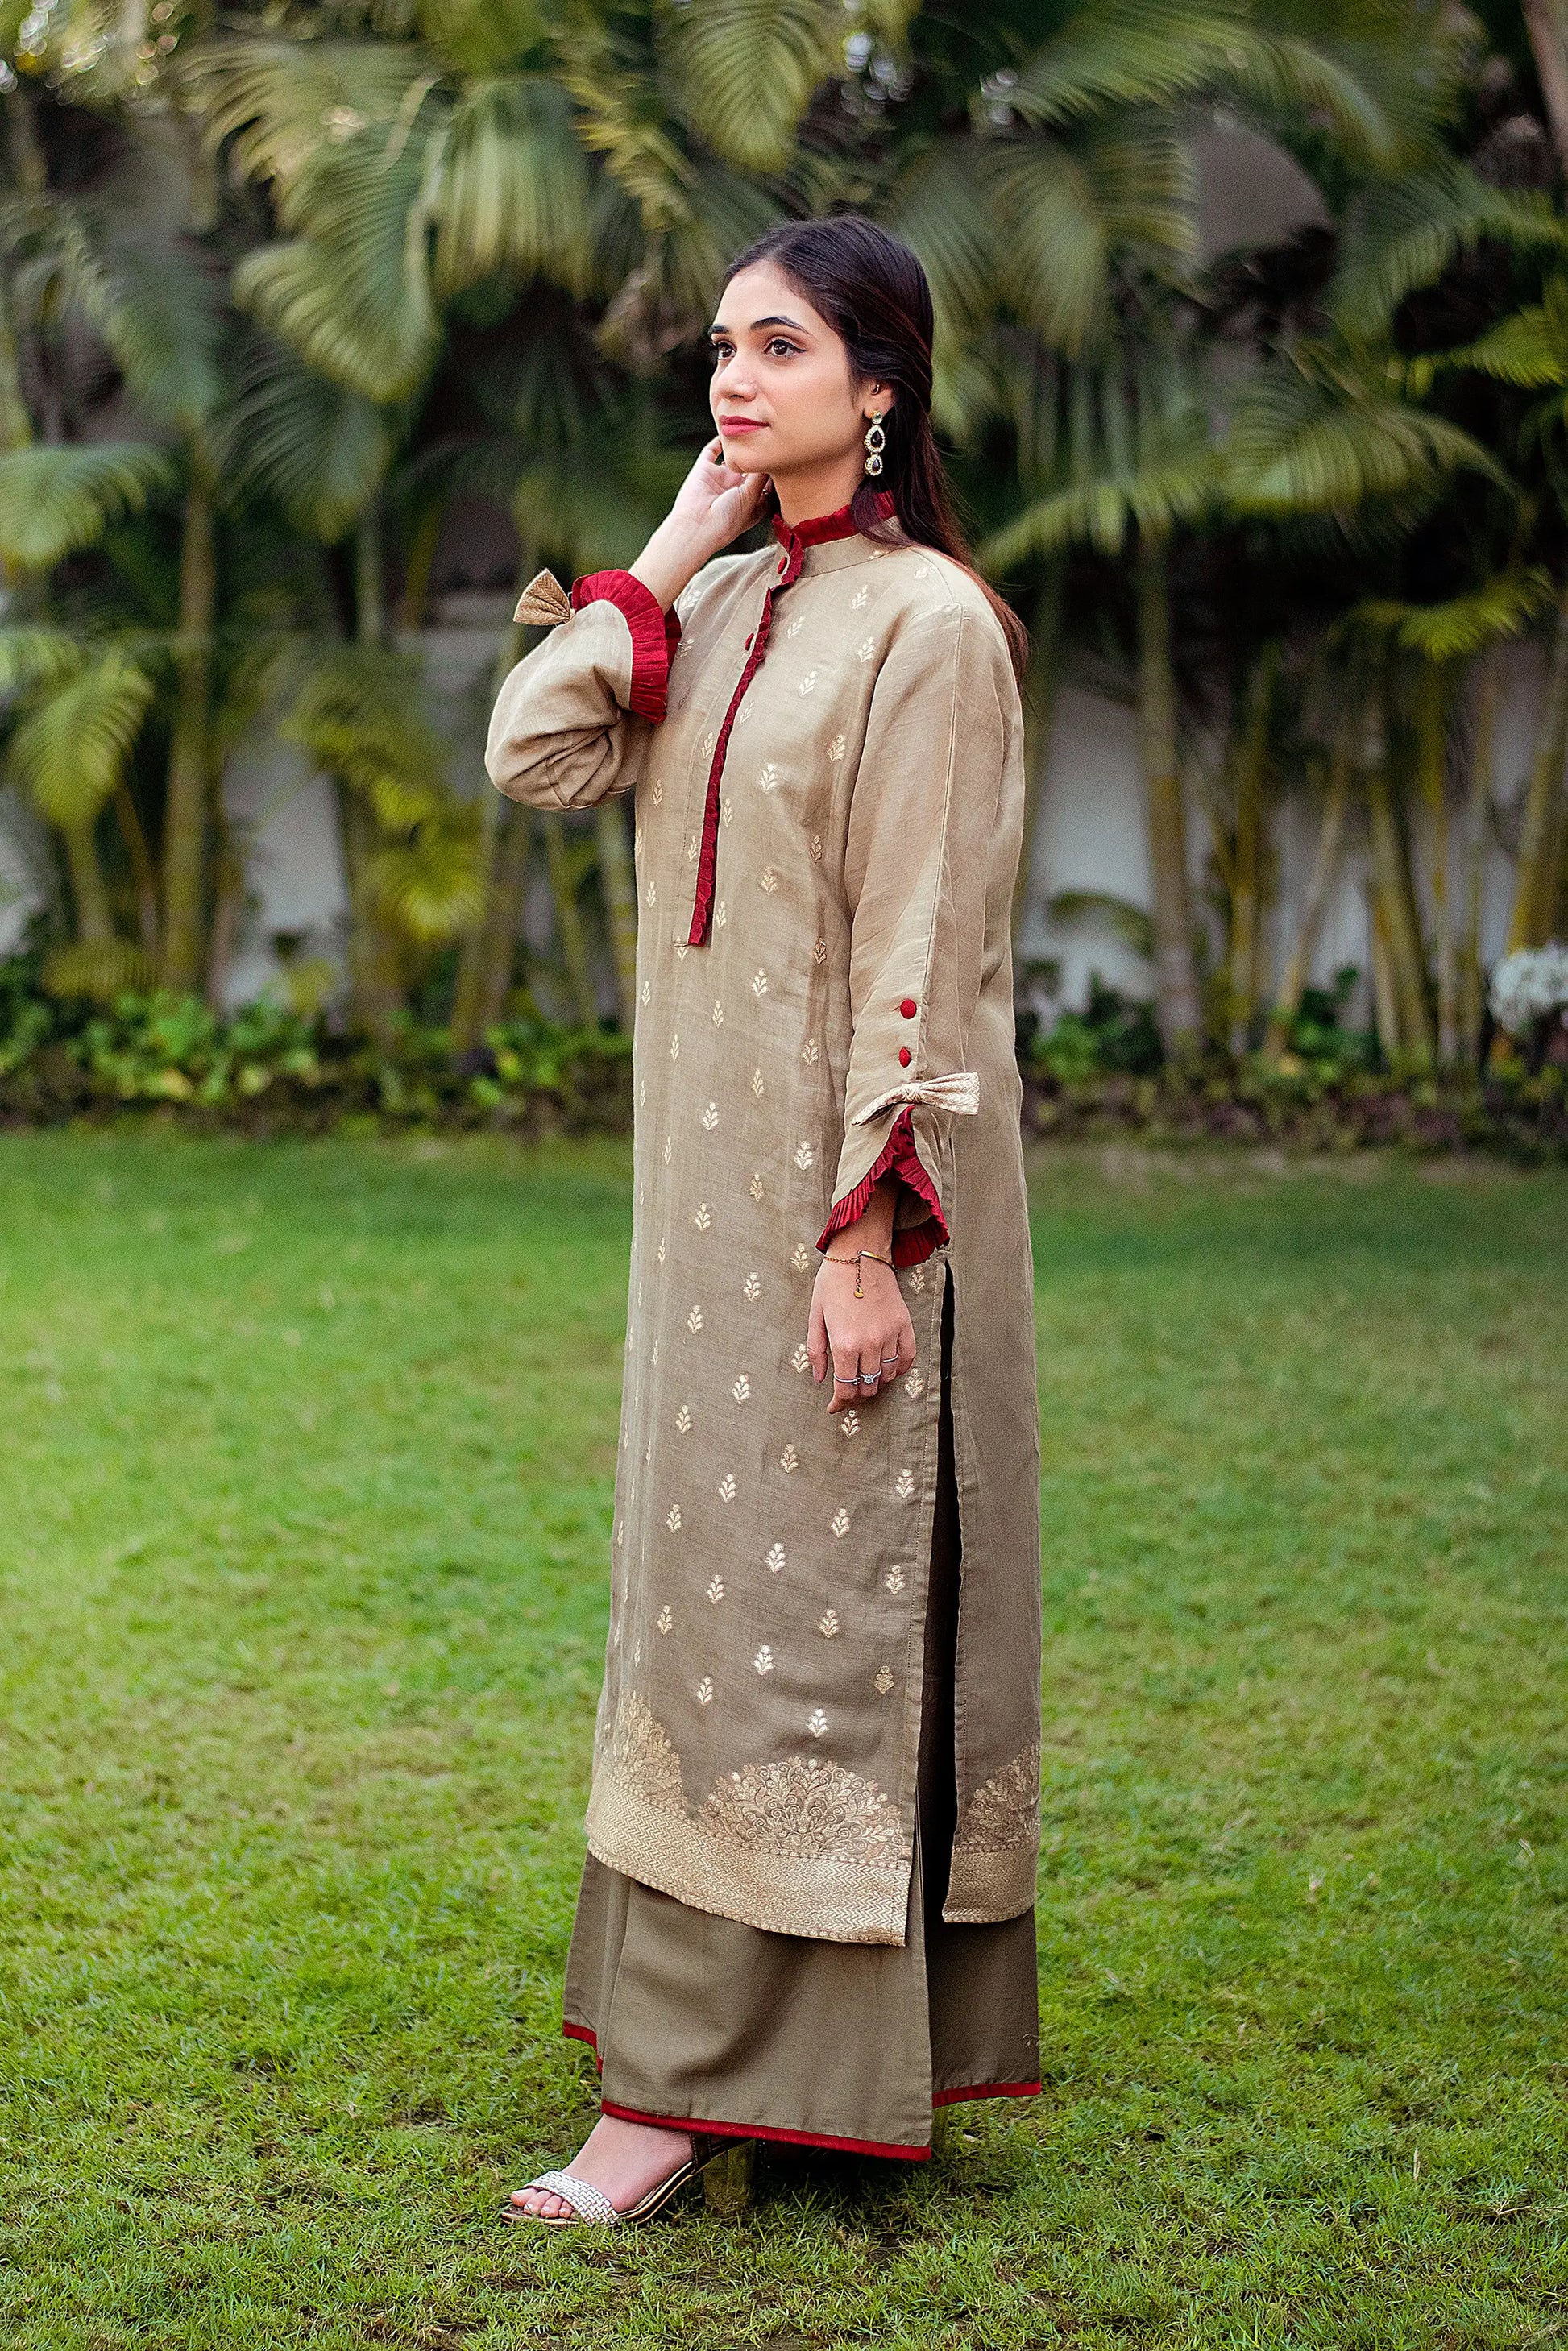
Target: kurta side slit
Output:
{"points": [[698, 2019]]}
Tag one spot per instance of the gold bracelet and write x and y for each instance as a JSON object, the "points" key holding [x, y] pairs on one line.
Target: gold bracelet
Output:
{"points": [[855, 1261]]}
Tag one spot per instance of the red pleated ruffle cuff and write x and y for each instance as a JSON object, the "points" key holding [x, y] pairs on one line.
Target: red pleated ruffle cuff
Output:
{"points": [[912, 1244], [654, 635]]}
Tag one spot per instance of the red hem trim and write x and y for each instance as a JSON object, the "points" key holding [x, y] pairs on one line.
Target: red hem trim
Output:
{"points": [[912, 1244], [779, 2137], [986, 2090], [651, 641]]}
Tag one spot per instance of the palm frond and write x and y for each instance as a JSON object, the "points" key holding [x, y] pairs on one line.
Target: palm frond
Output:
{"points": [[1530, 348], [745, 70], [941, 208], [622, 116], [57, 499], [354, 296], [165, 315], [289, 105], [359, 715], [31, 657], [482, 37], [1501, 608], [430, 888], [513, 192], [1323, 437], [1403, 233], [97, 971], [1067, 213], [70, 747], [319, 450]]}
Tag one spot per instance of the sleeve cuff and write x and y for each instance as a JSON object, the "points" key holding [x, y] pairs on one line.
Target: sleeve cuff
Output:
{"points": [[912, 1243], [654, 635]]}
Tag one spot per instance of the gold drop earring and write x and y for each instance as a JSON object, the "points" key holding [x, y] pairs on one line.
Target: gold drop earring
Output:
{"points": [[875, 443]]}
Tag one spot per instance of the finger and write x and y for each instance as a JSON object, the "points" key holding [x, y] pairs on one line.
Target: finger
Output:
{"points": [[817, 1340], [846, 1376]]}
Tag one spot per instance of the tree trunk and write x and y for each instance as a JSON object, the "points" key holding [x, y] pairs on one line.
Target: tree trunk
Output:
{"points": [[511, 885], [1039, 704], [1178, 1006], [1478, 807], [1435, 695], [568, 922], [1547, 26], [88, 890], [1396, 903], [146, 881], [482, 947], [1535, 887], [620, 886], [228, 905], [1325, 865], [1384, 992], [1246, 896], [375, 967], [186, 805]]}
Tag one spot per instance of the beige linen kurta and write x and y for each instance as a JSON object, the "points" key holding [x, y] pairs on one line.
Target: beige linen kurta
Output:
{"points": [[827, 829]]}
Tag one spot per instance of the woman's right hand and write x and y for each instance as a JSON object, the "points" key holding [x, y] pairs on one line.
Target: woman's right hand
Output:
{"points": [[713, 505]]}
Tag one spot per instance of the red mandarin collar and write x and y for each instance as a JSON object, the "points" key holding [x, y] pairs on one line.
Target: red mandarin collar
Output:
{"points": [[795, 538]]}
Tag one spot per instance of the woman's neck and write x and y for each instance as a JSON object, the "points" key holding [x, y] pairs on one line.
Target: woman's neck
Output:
{"points": [[808, 492]]}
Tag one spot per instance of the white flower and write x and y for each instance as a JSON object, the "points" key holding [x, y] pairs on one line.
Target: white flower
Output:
{"points": [[1528, 986], [788, 1459], [751, 1286], [816, 1724], [914, 1385], [881, 1681], [664, 1620], [756, 1188], [894, 1579], [717, 1015], [809, 1051], [776, 1560], [763, 1660], [809, 683], [801, 1259], [716, 1590], [768, 778], [758, 1088], [849, 1424], [726, 1486], [904, 1485], [695, 1321], [701, 1216], [672, 1519], [769, 878], [868, 649], [800, 1359], [705, 1691], [827, 1623], [805, 1156], [840, 1522], [760, 983], [684, 1418], [742, 1388]]}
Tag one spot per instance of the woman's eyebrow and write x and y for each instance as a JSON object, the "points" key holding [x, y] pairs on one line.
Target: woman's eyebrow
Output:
{"points": [[718, 327]]}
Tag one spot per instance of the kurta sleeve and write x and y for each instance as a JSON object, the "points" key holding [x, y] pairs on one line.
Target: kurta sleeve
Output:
{"points": [[566, 719], [916, 865]]}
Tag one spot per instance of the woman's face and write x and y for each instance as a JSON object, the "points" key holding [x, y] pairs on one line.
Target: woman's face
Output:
{"points": [[783, 395]]}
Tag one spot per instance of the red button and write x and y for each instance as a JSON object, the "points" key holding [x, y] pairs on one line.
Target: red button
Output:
{"points": [[904, 1055], [908, 1008]]}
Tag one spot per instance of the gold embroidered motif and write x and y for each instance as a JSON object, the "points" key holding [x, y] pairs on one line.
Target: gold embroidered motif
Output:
{"points": [[757, 1187], [701, 1216], [763, 1660], [768, 778], [769, 878], [760, 983], [849, 1424], [894, 1579], [705, 1691], [816, 1724], [775, 1560], [904, 1485], [672, 1519], [717, 1016], [751, 1287], [881, 1681], [684, 1418], [836, 749], [805, 1155], [643, 1759], [664, 1620], [727, 1488], [805, 1809], [801, 1358], [710, 1116], [758, 1088], [840, 1522], [809, 683], [1005, 1813], [720, 916], [716, 1590], [827, 1623], [742, 1388], [801, 1259], [695, 1321]]}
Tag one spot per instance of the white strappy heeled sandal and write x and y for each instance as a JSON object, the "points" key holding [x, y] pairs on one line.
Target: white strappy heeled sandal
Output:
{"points": [[591, 2204]]}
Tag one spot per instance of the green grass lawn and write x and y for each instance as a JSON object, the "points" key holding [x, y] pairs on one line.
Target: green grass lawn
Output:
{"points": [[304, 1498]]}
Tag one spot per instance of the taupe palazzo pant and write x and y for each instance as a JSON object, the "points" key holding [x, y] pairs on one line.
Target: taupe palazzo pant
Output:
{"points": [[698, 2019]]}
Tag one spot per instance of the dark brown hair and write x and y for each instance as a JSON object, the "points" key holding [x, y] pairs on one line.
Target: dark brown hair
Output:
{"points": [[874, 293]]}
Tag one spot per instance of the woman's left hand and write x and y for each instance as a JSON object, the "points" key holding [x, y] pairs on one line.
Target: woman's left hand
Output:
{"points": [[853, 1336]]}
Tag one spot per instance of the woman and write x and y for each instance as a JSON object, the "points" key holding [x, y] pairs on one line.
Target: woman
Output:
{"points": [[807, 1911]]}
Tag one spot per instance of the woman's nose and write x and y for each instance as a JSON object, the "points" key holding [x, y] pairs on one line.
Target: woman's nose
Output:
{"points": [[734, 379]]}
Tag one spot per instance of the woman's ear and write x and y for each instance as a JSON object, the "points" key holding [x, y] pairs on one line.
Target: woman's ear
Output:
{"points": [[880, 395]]}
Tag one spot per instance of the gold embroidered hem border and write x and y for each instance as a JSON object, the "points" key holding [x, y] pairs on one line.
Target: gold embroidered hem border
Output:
{"points": [[984, 1889], [786, 1894]]}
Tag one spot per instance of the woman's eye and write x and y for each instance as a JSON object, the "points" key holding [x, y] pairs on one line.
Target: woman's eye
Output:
{"points": [[778, 345]]}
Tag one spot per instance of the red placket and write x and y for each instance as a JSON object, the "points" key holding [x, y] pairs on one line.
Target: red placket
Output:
{"points": [[794, 539]]}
